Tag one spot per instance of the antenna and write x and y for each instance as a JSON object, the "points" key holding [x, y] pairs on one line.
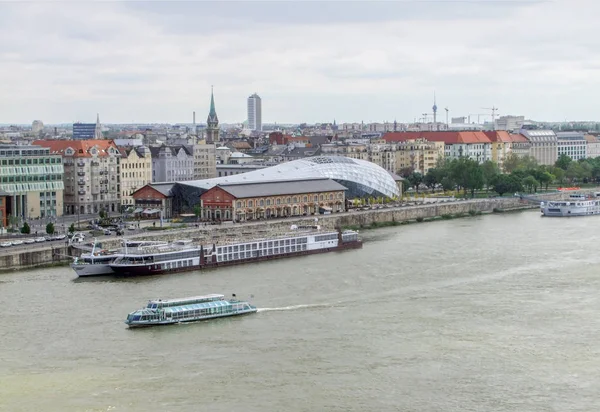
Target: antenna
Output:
{"points": [[446, 109]]}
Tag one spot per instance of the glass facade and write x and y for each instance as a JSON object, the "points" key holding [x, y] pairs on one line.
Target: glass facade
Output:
{"points": [[360, 177]]}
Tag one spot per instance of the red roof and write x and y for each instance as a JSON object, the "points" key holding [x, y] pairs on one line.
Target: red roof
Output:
{"points": [[518, 138], [81, 147], [446, 137], [498, 136]]}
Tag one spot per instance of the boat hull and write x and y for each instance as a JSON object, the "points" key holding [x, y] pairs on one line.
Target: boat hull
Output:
{"points": [[146, 324], [92, 270], [147, 270]]}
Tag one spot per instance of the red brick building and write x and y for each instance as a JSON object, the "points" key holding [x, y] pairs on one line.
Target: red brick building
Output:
{"points": [[155, 200]]}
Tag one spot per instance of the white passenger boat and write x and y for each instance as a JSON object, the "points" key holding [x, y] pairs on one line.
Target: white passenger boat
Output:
{"points": [[577, 205], [165, 312], [97, 261]]}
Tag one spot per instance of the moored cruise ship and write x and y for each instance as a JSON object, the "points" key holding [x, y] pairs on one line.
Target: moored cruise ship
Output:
{"points": [[165, 312], [183, 255], [577, 205]]}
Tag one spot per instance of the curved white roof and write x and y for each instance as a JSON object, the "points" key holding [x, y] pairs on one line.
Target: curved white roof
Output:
{"points": [[360, 177]]}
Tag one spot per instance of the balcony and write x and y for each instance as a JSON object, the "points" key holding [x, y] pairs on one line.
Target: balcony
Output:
{"points": [[95, 164], [105, 181], [81, 182], [80, 173], [81, 164], [81, 192], [101, 172]]}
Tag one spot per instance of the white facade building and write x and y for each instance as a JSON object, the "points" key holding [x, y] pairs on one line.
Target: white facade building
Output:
{"points": [[509, 122], [572, 144], [255, 112]]}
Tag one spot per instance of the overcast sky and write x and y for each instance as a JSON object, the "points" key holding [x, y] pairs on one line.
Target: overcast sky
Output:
{"points": [[309, 61]]}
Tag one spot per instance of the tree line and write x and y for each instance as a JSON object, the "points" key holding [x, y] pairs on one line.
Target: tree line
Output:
{"points": [[519, 174]]}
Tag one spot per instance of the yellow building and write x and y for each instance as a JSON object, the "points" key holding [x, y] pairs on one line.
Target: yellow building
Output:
{"points": [[136, 172], [418, 154], [501, 146]]}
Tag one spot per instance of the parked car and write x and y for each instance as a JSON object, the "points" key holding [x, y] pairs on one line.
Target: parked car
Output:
{"points": [[40, 239], [107, 232], [28, 241], [17, 242], [5, 244], [131, 226], [60, 237]]}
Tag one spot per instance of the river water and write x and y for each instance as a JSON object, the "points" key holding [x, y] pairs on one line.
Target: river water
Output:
{"points": [[489, 313]]}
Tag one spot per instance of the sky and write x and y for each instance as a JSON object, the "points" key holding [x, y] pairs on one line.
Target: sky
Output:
{"points": [[310, 61]]}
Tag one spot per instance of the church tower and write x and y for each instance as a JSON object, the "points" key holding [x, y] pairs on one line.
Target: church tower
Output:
{"points": [[98, 129], [212, 123]]}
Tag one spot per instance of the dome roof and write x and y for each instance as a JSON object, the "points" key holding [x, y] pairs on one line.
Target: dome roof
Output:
{"points": [[360, 177]]}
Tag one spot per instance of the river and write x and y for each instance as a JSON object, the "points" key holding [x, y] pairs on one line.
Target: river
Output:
{"points": [[487, 313]]}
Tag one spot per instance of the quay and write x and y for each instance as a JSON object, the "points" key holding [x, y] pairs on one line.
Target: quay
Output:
{"points": [[58, 252]]}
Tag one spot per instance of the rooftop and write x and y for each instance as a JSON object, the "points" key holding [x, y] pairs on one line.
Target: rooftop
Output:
{"points": [[274, 188]]}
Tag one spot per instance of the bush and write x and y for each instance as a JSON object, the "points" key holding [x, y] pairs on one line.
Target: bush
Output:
{"points": [[447, 216], [50, 228], [419, 219], [72, 228], [472, 212], [26, 229], [497, 210]]}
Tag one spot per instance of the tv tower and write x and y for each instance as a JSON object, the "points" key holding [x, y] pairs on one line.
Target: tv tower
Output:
{"points": [[435, 113]]}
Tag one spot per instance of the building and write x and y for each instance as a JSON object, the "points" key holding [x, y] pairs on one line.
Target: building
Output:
{"points": [[501, 146], [91, 174], [136, 171], [509, 123], [172, 163], [154, 200], [419, 155], [236, 169], [4, 197], [87, 131], [272, 199], [593, 146], [212, 122], [474, 145], [31, 182], [205, 164], [360, 177], [255, 112], [572, 144], [544, 145], [520, 146], [37, 126]]}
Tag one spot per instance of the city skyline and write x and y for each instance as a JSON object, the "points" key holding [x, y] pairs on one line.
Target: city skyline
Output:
{"points": [[154, 62]]}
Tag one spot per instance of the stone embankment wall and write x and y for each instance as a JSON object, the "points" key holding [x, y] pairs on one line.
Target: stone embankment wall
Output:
{"points": [[48, 255]]}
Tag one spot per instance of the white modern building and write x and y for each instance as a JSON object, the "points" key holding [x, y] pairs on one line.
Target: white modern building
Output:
{"points": [[544, 145], [360, 177], [255, 112], [572, 144]]}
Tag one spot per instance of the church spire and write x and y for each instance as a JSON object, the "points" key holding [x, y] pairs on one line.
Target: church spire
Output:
{"points": [[98, 129], [212, 123]]}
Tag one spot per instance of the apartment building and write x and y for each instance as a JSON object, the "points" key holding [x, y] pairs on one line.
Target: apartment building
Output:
{"points": [[172, 163], [91, 174], [544, 145], [419, 155], [136, 171], [205, 164], [31, 182]]}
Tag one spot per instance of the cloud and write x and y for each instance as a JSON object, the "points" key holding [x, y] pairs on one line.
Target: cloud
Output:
{"points": [[310, 61]]}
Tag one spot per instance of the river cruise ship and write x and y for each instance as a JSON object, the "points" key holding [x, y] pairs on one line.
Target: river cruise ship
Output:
{"points": [[184, 255], [97, 261], [577, 205], [165, 312]]}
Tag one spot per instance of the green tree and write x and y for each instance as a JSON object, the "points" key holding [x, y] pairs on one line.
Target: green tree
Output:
{"points": [[545, 179], [559, 175], [26, 229], [102, 214], [563, 162], [72, 228], [447, 183], [50, 228], [415, 179], [431, 179], [530, 183], [507, 184], [490, 173], [467, 174]]}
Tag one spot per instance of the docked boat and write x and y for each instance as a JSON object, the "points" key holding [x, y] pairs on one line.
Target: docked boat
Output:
{"points": [[184, 255], [577, 205], [97, 261], [165, 312]]}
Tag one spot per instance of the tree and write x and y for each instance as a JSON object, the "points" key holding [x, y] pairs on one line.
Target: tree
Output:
{"points": [[415, 179], [72, 228], [102, 214], [507, 184], [431, 179], [563, 162], [50, 228], [26, 229], [490, 172], [197, 211], [546, 178], [447, 183], [13, 221], [467, 174], [530, 183], [559, 175], [405, 172]]}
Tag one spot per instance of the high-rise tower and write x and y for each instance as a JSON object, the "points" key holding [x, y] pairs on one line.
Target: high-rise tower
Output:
{"points": [[212, 122], [255, 112], [434, 108], [98, 129]]}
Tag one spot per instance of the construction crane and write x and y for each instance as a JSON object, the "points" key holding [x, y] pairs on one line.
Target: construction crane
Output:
{"points": [[478, 115], [493, 109]]}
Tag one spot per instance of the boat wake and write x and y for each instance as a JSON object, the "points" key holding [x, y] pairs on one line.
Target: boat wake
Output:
{"points": [[296, 307]]}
